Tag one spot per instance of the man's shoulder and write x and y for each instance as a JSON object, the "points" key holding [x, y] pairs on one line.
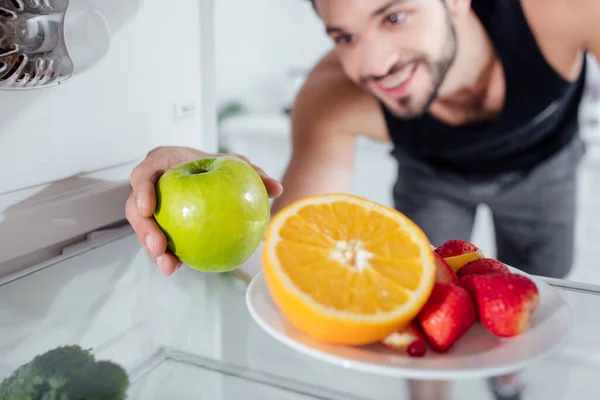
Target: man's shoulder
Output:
{"points": [[558, 19], [329, 97], [560, 31]]}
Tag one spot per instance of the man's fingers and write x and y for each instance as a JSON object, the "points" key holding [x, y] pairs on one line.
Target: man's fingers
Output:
{"points": [[168, 263], [152, 238], [142, 179], [144, 194], [145, 229], [147, 170], [274, 188]]}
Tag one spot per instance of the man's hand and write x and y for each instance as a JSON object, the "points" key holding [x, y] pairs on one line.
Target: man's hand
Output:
{"points": [[142, 201]]}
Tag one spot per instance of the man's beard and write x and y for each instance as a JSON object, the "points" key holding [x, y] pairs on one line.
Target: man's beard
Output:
{"points": [[409, 106]]}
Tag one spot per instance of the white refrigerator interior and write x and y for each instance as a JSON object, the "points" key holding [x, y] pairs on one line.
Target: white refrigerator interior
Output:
{"points": [[142, 76]]}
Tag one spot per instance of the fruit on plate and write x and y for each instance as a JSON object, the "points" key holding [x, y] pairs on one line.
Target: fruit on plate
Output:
{"points": [[448, 314], [408, 340], [505, 302], [458, 253], [444, 272], [347, 270], [483, 266], [213, 211]]}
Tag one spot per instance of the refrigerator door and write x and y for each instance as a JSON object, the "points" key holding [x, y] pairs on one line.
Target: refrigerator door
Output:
{"points": [[141, 77]]}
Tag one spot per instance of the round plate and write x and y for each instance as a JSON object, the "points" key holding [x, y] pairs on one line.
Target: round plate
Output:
{"points": [[477, 354]]}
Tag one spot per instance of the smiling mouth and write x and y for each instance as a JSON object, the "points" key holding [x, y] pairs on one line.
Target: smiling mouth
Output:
{"points": [[397, 84], [399, 79]]}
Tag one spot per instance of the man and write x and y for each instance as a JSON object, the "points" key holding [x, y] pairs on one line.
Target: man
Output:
{"points": [[480, 99]]}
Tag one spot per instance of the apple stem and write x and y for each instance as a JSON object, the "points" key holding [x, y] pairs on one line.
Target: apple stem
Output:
{"points": [[201, 166]]}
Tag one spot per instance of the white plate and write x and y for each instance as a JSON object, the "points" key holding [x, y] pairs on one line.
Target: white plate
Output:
{"points": [[477, 354]]}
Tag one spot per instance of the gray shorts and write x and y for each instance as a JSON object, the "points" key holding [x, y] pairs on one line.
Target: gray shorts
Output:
{"points": [[533, 213]]}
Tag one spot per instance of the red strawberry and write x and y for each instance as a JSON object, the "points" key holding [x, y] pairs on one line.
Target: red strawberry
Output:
{"points": [[409, 341], [483, 266], [453, 248], [444, 273], [504, 302], [448, 314], [457, 253]]}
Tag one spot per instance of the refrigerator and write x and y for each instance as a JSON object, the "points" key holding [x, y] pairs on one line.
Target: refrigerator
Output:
{"points": [[87, 88]]}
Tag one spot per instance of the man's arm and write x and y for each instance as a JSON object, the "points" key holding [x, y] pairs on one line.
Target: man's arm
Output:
{"points": [[328, 115]]}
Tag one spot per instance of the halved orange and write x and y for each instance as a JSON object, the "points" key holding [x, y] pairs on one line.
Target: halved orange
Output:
{"points": [[346, 270]]}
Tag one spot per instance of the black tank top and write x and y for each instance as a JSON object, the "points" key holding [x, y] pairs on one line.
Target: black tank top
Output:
{"points": [[539, 117]]}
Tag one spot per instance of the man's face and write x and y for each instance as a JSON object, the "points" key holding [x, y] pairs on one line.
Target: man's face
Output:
{"points": [[398, 50]]}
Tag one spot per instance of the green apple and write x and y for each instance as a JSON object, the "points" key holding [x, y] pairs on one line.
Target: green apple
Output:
{"points": [[214, 212]]}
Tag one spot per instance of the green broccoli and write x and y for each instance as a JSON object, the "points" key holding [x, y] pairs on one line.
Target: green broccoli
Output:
{"points": [[66, 373]]}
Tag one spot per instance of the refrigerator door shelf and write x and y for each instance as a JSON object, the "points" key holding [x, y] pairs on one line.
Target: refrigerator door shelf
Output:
{"points": [[39, 222]]}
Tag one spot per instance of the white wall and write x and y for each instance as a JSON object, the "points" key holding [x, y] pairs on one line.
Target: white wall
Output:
{"points": [[258, 42]]}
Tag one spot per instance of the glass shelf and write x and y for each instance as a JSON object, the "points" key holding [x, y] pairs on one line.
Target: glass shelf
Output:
{"points": [[191, 336]]}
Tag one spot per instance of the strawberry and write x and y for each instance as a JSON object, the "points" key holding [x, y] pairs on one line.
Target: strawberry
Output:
{"points": [[504, 302], [444, 273], [447, 315], [483, 266], [453, 248], [457, 253], [408, 340]]}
